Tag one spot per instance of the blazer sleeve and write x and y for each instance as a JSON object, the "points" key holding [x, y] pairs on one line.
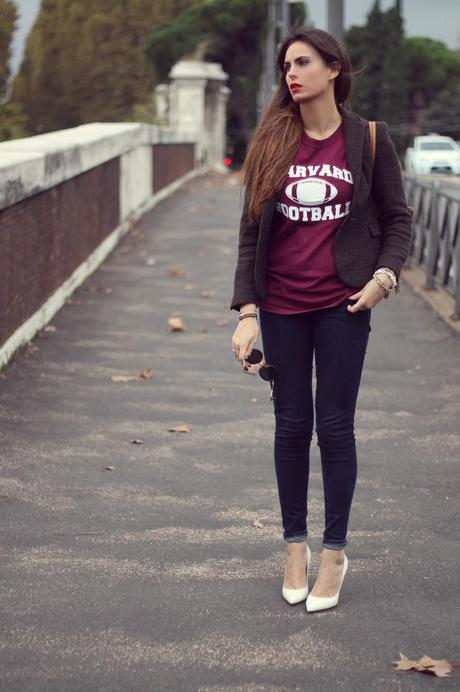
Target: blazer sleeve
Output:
{"points": [[244, 290], [395, 219]]}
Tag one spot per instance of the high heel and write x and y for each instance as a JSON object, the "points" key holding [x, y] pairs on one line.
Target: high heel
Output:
{"points": [[293, 596], [322, 602]]}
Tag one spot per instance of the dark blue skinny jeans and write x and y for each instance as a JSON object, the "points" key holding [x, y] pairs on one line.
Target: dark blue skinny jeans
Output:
{"points": [[338, 339]]}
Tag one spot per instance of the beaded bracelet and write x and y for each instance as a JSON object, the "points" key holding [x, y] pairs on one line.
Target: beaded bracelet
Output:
{"points": [[380, 282], [390, 273]]}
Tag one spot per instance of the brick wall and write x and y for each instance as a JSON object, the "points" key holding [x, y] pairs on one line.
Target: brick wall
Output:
{"points": [[170, 162], [44, 238]]}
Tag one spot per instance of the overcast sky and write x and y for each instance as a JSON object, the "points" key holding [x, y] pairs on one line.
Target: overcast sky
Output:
{"points": [[439, 19]]}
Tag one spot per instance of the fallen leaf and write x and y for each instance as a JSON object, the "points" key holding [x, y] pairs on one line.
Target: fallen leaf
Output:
{"points": [[176, 271], [179, 428], [136, 442], [109, 468], [123, 378], [176, 324], [257, 524], [440, 667], [143, 375]]}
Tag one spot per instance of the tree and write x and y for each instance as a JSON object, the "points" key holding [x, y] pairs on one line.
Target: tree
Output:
{"points": [[393, 103], [11, 118], [8, 18], [379, 49], [232, 33], [84, 61]]}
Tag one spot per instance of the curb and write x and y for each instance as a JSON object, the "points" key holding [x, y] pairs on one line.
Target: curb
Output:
{"points": [[440, 300]]}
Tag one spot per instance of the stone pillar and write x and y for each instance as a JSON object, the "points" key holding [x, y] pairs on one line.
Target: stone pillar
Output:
{"points": [[162, 103], [197, 107]]}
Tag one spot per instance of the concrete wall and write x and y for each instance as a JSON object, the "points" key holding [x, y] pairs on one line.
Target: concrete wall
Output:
{"points": [[66, 198]]}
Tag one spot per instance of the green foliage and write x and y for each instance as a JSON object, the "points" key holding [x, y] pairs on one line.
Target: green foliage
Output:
{"points": [[11, 117], [443, 116], [401, 74], [377, 50], [8, 18], [233, 32], [432, 67], [12, 121], [85, 61]]}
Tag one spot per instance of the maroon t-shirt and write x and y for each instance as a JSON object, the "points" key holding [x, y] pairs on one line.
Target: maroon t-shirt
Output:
{"points": [[314, 199]]}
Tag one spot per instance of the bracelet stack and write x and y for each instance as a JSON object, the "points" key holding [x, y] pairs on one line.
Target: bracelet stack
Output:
{"points": [[390, 273]]}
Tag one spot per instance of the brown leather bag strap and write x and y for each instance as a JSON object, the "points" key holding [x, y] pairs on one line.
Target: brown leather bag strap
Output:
{"points": [[373, 137], [372, 133]]}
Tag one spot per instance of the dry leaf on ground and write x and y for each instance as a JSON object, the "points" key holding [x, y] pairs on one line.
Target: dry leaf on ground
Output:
{"points": [[179, 428], [440, 667], [257, 524], [176, 324], [144, 374], [176, 271]]}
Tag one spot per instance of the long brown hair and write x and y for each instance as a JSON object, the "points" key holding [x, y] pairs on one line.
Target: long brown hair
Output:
{"points": [[277, 135]]}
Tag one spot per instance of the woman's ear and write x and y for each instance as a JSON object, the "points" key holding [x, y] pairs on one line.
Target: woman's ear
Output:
{"points": [[336, 68]]}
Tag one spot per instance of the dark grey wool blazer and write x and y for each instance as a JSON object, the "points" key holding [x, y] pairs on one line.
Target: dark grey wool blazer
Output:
{"points": [[377, 231]]}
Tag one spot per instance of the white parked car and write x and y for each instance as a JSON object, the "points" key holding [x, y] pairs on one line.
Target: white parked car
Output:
{"points": [[433, 153]]}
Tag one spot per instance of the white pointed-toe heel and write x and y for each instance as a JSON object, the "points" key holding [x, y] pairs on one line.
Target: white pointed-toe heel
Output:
{"points": [[322, 602], [297, 595]]}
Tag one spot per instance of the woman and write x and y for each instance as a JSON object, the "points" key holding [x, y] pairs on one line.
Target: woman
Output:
{"points": [[315, 259]]}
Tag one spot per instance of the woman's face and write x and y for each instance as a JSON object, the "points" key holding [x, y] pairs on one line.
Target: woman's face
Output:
{"points": [[305, 66]]}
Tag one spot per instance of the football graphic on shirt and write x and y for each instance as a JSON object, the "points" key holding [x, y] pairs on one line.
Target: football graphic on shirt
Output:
{"points": [[311, 191]]}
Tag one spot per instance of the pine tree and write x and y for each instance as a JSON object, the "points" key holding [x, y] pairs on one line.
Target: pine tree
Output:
{"points": [[393, 104]]}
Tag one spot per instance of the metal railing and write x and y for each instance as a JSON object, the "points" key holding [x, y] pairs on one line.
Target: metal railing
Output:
{"points": [[436, 235]]}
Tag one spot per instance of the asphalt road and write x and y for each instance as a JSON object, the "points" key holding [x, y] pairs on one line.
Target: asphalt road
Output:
{"points": [[150, 575]]}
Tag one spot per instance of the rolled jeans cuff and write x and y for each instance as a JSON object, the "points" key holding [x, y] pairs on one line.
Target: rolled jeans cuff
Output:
{"points": [[295, 539], [334, 546]]}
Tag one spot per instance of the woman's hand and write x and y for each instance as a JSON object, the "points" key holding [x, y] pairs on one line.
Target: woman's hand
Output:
{"points": [[245, 338], [368, 297]]}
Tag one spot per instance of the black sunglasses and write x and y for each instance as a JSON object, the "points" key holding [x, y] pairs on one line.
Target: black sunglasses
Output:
{"points": [[267, 372]]}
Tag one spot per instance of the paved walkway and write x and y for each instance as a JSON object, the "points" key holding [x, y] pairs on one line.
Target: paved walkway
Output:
{"points": [[152, 576]]}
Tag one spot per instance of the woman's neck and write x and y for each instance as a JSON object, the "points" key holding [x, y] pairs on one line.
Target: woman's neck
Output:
{"points": [[320, 120]]}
